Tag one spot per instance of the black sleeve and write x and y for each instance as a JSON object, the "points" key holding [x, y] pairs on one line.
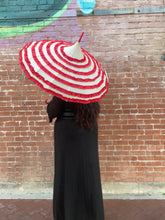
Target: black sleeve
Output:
{"points": [[55, 108]]}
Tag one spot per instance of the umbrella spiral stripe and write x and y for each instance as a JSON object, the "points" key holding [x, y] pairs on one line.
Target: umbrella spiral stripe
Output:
{"points": [[48, 75], [74, 73], [71, 78], [38, 61], [57, 54], [46, 63], [63, 57], [74, 62], [43, 53]]}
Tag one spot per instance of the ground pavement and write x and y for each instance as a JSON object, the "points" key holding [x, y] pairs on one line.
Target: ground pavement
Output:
{"points": [[115, 209]]}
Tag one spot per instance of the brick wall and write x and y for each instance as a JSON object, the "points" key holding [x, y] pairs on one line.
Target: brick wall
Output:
{"points": [[132, 120], [132, 123], [111, 4]]}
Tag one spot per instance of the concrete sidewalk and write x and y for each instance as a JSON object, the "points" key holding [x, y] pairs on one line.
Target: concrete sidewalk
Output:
{"points": [[115, 209]]}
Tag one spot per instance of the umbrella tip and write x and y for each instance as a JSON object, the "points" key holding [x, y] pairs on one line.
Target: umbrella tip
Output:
{"points": [[81, 37]]}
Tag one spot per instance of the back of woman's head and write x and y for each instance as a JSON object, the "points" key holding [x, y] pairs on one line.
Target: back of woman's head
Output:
{"points": [[87, 114]]}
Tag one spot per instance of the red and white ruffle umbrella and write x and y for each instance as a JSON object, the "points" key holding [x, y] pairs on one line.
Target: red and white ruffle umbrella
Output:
{"points": [[64, 70]]}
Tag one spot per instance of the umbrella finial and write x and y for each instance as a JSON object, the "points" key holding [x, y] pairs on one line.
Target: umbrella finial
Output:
{"points": [[81, 37]]}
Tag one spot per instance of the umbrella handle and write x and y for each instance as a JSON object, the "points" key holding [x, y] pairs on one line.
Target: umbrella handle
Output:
{"points": [[46, 101], [81, 37]]}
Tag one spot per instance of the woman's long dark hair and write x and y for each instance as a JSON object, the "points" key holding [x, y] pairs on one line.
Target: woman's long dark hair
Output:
{"points": [[87, 114]]}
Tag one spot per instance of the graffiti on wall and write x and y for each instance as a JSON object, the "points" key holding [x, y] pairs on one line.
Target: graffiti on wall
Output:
{"points": [[25, 16], [86, 6], [26, 20]]}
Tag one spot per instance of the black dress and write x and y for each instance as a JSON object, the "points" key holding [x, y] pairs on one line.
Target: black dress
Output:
{"points": [[77, 185]]}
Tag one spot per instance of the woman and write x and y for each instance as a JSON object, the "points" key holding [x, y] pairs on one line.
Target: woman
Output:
{"points": [[77, 185]]}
